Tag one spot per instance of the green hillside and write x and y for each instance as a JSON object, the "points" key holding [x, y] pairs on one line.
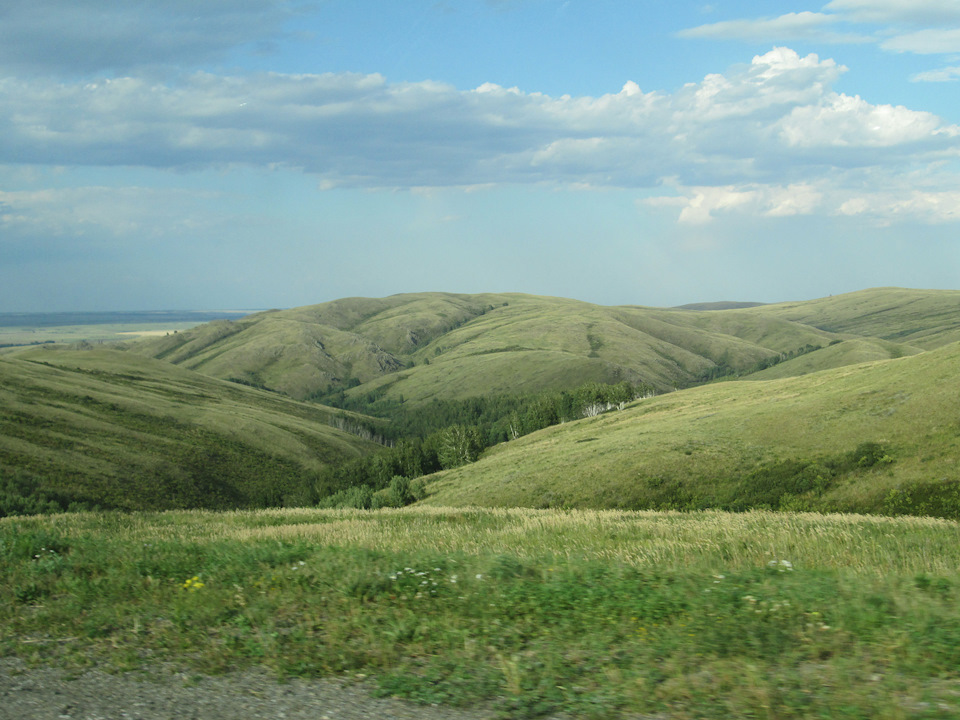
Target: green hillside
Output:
{"points": [[442, 345], [489, 366], [924, 319], [310, 350], [875, 437], [847, 352], [415, 347], [111, 429]]}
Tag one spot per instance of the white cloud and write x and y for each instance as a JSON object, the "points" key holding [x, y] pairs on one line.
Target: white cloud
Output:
{"points": [[915, 205], [877, 198], [925, 42], [775, 122], [947, 74], [844, 121], [926, 27], [898, 11], [700, 205], [789, 27]]}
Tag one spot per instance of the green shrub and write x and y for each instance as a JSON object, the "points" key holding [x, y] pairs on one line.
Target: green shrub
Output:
{"points": [[939, 499]]}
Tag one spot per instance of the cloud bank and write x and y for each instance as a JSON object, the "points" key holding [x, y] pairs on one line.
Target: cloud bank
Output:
{"points": [[775, 122], [78, 37]]}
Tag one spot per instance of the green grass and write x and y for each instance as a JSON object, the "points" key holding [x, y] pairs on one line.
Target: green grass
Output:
{"points": [[599, 614], [841, 354], [796, 443], [924, 319], [107, 428]]}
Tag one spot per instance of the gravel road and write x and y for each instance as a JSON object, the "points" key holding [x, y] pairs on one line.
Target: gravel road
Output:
{"points": [[51, 694]]}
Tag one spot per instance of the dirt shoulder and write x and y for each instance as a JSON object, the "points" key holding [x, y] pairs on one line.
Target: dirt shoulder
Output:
{"points": [[52, 694]]}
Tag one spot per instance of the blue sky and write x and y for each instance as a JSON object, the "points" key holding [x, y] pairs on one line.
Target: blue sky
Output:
{"points": [[172, 154]]}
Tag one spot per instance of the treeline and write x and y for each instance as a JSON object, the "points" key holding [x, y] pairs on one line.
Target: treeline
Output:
{"points": [[723, 369], [445, 434], [499, 417], [198, 468]]}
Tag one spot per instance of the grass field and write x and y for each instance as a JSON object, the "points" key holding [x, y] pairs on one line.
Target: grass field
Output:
{"points": [[600, 614]]}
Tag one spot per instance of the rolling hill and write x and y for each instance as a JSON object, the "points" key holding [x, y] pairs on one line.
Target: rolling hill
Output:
{"points": [[113, 429], [842, 403], [881, 436], [924, 319], [439, 345]]}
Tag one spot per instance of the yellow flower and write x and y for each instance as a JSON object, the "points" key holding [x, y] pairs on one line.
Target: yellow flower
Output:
{"points": [[192, 583]]}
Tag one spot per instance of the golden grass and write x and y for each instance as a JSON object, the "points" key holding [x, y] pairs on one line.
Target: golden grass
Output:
{"points": [[867, 545]]}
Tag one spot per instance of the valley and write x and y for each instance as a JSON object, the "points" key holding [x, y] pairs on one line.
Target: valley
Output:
{"points": [[523, 506]]}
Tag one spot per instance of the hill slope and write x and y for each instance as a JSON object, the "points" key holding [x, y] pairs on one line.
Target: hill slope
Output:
{"points": [[924, 319], [113, 429], [875, 437], [419, 346]]}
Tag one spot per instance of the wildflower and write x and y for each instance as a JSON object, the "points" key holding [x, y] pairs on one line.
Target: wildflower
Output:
{"points": [[192, 584], [479, 576]]}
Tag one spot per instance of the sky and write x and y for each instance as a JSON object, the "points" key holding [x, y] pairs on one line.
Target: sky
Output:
{"points": [[222, 154]]}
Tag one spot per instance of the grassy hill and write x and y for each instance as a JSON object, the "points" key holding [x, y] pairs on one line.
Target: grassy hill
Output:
{"points": [[794, 438], [416, 347], [443, 345], [875, 437], [924, 319], [111, 429]]}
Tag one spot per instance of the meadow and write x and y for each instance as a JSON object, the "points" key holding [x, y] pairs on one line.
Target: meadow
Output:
{"points": [[594, 613]]}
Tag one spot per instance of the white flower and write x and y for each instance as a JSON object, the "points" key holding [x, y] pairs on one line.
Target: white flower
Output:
{"points": [[479, 576]]}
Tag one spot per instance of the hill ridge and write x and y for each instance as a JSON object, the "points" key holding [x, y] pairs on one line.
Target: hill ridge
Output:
{"points": [[355, 344]]}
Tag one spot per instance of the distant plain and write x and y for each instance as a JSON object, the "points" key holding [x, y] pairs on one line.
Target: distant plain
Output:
{"points": [[34, 328]]}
